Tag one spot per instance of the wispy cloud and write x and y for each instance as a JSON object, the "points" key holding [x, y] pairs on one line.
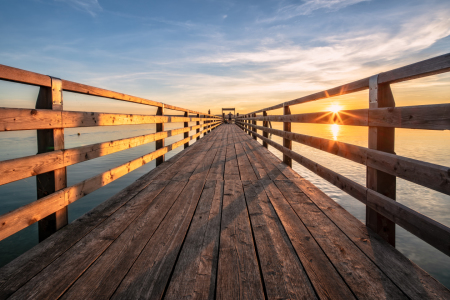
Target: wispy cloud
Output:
{"points": [[308, 6], [92, 7]]}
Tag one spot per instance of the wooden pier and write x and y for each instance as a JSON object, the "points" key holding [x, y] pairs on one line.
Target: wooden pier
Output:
{"points": [[224, 218]]}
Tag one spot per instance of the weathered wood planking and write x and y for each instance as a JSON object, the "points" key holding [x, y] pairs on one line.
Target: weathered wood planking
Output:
{"points": [[238, 270], [148, 277], [195, 273], [283, 273]]}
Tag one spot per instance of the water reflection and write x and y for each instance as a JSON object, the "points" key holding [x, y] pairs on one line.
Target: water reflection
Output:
{"points": [[335, 130]]}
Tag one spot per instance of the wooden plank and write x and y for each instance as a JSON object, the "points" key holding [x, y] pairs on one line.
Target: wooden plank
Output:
{"points": [[94, 91], [410, 278], [326, 280], [245, 168], [432, 66], [22, 76], [103, 277], [204, 166], [257, 166], [238, 275], [231, 165], [283, 274], [432, 117], [348, 88], [272, 171], [363, 277], [196, 269], [23, 268], [29, 119], [54, 280], [216, 171], [149, 275], [357, 117]]}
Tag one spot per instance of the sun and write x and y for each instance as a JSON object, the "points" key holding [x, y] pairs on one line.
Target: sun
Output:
{"points": [[335, 108]]}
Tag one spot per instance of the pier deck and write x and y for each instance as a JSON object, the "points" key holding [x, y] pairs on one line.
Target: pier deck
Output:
{"points": [[222, 219]]}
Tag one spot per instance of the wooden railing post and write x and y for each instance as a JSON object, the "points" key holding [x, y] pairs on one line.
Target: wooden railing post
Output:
{"points": [[248, 127], [49, 140], [382, 139], [236, 118], [186, 134], [209, 126], [198, 129], [160, 143], [254, 129], [265, 133], [287, 143]]}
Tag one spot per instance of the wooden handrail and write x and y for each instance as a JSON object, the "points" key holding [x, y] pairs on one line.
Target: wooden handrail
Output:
{"points": [[24, 167], [432, 232], [30, 119], [24, 216], [431, 117], [17, 75], [429, 175]]}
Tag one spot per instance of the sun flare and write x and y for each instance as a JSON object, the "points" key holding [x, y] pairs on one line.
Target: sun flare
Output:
{"points": [[335, 108]]}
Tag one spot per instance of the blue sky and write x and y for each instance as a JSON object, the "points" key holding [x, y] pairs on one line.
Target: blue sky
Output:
{"points": [[243, 53]]}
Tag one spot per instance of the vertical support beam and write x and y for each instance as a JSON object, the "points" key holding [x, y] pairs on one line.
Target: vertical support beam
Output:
{"points": [[223, 116], [287, 143], [265, 133], [382, 139], [198, 129], [186, 134], [254, 129], [209, 126], [49, 140], [160, 143], [248, 127]]}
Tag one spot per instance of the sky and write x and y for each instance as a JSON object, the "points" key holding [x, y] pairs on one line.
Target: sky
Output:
{"points": [[202, 54]]}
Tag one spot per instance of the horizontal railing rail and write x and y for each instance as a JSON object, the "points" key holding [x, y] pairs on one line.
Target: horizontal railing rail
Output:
{"points": [[383, 165], [49, 165]]}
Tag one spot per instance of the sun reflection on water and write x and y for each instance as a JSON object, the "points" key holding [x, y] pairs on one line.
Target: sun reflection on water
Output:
{"points": [[335, 130]]}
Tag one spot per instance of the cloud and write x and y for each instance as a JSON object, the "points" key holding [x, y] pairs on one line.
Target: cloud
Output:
{"points": [[308, 6], [92, 7]]}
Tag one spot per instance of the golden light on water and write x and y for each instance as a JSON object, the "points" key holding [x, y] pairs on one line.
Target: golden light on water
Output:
{"points": [[335, 131]]}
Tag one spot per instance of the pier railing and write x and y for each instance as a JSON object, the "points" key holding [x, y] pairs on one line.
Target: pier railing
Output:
{"points": [[383, 165], [49, 165]]}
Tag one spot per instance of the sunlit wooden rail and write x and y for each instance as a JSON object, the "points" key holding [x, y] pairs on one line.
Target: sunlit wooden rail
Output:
{"points": [[49, 166], [383, 165], [224, 218]]}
